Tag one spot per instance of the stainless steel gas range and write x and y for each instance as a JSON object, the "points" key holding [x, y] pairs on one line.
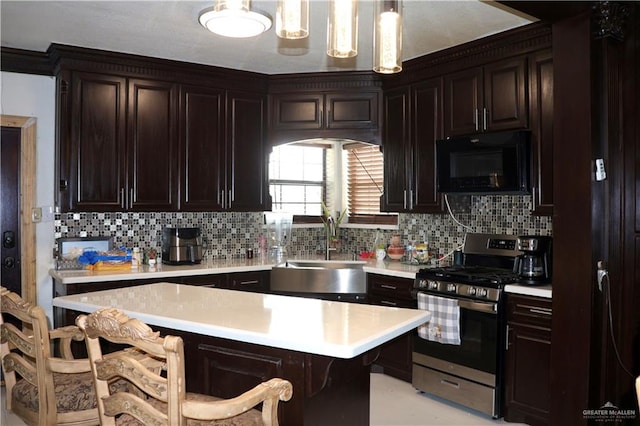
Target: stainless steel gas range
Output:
{"points": [[470, 370]]}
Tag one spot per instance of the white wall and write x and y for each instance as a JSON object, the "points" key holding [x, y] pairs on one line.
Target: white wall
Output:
{"points": [[34, 96]]}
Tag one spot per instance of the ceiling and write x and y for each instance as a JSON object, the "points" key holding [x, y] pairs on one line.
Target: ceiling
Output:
{"points": [[170, 29]]}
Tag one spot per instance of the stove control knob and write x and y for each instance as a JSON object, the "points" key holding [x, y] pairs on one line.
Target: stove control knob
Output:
{"points": [[433, 285], [472, 291], [451, 288], [482, 292]]}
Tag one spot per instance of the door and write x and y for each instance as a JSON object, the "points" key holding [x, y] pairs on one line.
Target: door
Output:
{"points": [[505, 104], [10, 209], [152, 154], [247, 183], [298, 111], [352, 110], [427, 128], [395, 145], [93, 174], [202, 148], [463, 102]]}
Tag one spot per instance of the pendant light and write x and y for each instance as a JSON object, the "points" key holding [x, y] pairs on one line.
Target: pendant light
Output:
{"points": [[234, 18], [292, 19], [342, 29], [387, 41]]}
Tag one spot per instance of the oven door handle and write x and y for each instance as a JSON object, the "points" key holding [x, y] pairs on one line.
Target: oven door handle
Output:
{"points": [[489, 308]]}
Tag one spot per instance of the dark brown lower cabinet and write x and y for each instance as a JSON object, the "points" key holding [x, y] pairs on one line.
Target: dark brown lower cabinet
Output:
{"points": [[528, 359], [395, 355], [326, 390]]}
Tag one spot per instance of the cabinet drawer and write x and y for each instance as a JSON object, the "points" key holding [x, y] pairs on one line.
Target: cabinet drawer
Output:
{"points": [[529, 310], [249, 281], [376, 299], [390, 287]]}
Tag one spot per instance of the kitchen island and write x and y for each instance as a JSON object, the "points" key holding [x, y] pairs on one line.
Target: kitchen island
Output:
{"points": [[235, 340]]}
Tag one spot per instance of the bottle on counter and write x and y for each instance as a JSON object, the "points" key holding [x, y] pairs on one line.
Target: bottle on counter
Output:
{"points": [[136, 258]]}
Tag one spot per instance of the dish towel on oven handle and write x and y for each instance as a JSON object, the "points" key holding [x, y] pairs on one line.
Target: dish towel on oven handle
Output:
{"points": [[444, 325]]}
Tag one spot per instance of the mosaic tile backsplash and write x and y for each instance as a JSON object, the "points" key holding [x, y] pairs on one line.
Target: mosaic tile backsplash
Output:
{"points": [[228, 235]]}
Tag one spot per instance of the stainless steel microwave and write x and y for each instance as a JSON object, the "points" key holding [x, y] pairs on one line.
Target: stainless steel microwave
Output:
{"points": [[488, 163]]}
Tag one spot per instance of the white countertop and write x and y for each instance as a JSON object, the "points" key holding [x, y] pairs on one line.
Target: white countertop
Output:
{"points": [[390, 267], [528, 290], [337, 329]]}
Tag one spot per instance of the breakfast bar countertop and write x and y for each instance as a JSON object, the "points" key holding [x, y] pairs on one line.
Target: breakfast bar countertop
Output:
{"points": [[338, 329]]}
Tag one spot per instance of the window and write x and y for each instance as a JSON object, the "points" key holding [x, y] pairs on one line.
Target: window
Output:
{"points": [[365, 177], [297, 179], [342, 174]]}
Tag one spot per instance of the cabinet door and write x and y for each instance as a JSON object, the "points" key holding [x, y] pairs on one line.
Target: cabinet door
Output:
{"points": [[297, 111], [505, 104], [247, 186], [396, 151], [152, 158], [202, 149], [541, 120], [463, 102], [426, 118], [351, 110], [528, 360], [93, 171]]}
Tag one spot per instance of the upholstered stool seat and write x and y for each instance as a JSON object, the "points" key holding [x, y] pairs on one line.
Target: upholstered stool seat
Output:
{"points": [[74, 392], [249, 418]]}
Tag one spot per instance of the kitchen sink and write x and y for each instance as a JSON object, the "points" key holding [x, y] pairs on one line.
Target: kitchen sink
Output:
{"points": [[328, 279]]}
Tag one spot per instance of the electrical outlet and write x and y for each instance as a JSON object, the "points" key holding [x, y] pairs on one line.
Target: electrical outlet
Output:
{"points": [[601, 173], [36, 215]]}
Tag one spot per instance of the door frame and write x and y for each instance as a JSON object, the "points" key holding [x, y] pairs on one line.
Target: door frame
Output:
{"points": [[27, 126]]}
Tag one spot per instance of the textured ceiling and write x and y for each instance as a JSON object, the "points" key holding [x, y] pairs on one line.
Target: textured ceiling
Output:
{"points": [[170, 29]]}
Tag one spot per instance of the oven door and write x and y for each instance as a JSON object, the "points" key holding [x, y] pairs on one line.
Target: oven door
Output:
{"points": [[479, 338]]}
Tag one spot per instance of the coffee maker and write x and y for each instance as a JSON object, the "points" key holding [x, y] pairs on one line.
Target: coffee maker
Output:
{"points": [[181, 246], [533, 266]]}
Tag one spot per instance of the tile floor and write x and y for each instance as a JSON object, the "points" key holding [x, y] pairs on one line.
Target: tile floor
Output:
{"points": [[393, 403]]}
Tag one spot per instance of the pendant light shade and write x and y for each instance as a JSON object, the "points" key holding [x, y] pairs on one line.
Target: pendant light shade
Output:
{"points": [[234, 18], [342, 29], [387, 42], [292, 19]]}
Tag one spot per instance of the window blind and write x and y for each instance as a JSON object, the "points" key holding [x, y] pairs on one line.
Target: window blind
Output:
{"points": [[365, 179]]}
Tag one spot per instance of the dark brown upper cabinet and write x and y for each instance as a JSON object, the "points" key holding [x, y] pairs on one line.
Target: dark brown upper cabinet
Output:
{"points": [[246, 157], [488, 98], [315, 111], [413, 118], [223, 154], [541, 125], [117, 144], [145, 134], [202, 147], [344, 105]]}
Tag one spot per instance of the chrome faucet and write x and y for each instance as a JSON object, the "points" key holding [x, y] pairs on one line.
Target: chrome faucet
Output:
{"points": [[331, 233]]}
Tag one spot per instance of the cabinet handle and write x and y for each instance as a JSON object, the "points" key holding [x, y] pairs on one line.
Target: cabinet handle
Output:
{"points": [[230, 199], [223, 199], [251, 282], [540, 311], [321, 116], [389, 287], [404, 197], [476, 120], [388, 302], [130, 201], [506, 340], [122, 198], [411, 199], [484, 118]]}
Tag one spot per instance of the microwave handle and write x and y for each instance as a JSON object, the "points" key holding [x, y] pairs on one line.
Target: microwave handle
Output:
{"points": [[476, 120]]}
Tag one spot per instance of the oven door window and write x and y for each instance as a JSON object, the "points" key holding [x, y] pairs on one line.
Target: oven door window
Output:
{"points": [[479, 342]]}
